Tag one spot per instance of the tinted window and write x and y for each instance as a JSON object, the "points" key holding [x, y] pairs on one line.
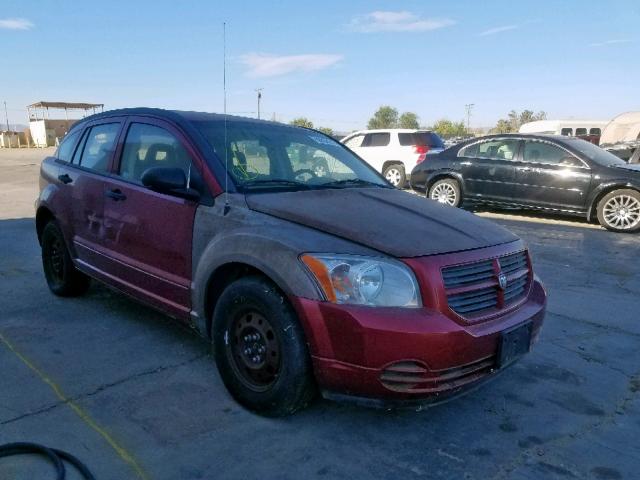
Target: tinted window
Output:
{"points": [[261, 155], [429, 139], [595, 131], [595, 153], [65, 150], [494, 150], [566, 131], [376, 139], [581, 131], [99, 146], [539, 152], [148, 146], [354, 142]]}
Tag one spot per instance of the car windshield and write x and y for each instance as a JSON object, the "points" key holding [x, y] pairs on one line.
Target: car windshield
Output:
{"points": [[270, 156], [595, 153]]}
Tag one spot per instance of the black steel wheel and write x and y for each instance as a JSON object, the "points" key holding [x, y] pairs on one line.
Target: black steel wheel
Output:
{"points": [[61, 274], [260, 348], [254, 350]]}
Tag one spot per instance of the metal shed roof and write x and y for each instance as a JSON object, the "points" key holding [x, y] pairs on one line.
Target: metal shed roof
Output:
{"points": [[66, 105]]}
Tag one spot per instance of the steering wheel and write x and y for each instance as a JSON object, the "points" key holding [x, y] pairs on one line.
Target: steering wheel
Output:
{"points": [[304, 171]]}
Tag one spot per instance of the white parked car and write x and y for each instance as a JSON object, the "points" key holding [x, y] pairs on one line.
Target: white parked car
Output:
{"points": [[394, 151]]}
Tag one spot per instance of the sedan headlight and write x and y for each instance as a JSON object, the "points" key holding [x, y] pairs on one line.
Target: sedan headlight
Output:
{"points": [[356, 280]]}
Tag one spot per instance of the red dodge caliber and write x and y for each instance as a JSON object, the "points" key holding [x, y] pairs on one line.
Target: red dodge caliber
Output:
{"points": [[306, 270]]}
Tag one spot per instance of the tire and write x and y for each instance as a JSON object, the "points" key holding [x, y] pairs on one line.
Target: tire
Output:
{"points": [[260, 349], [446, 191], [63, 278], [395, 175], [619, 211]]}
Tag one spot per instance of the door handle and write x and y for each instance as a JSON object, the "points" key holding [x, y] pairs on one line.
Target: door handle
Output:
{"points": [[115, 194], [525, 169], [65, 178]]}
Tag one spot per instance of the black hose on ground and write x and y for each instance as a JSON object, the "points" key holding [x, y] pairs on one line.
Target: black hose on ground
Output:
{"points": [[57, 457]]}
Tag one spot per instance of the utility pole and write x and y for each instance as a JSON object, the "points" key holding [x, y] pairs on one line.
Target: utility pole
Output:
{"points": [[468, 107], [6, 115], [259, 90]]}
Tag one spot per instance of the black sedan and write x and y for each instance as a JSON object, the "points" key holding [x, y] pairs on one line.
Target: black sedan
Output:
{"points": [[548, 172]]}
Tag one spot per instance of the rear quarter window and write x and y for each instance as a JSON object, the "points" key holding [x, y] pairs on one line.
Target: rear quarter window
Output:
{"points": [[429, 139]]}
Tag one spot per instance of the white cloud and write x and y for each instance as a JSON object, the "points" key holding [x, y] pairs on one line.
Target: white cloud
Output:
{"points": [[493, 31], [266, 65], [609, 42], [384, 21], [15, 23]]}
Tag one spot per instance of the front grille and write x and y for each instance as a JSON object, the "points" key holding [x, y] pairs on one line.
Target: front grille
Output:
{"points": [[474, 289], [414, 377]]}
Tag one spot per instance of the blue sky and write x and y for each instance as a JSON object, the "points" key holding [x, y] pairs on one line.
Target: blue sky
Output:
{"points": [[333, 62]]}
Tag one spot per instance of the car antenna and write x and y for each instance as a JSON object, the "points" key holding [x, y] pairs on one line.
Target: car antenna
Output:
{"points": [[227, 207]]}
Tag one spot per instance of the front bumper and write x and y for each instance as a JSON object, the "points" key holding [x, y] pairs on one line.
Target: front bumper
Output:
{"points": [[382, 356]]}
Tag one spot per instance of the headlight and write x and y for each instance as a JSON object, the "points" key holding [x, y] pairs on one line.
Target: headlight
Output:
{"points": [[359, 280]]}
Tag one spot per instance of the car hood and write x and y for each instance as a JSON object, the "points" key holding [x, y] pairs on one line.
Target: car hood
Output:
{"points": [[634, 167], [391, 221]]}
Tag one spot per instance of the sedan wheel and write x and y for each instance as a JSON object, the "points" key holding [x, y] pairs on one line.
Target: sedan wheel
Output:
{"points": [[620, 211], [446, 192]]}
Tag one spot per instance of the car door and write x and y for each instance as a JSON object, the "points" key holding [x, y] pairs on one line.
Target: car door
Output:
{"points": [[488, 169], [82, 182], [148, 234], [551, 176], [375, 149]]}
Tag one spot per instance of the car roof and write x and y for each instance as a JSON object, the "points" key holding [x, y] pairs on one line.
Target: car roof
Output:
{"points": [[178, 116], [390, 130], [524, 136]]}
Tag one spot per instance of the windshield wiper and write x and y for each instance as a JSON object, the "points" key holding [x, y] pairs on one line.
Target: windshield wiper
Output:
{"points": [[275, 182], [353, 181]]}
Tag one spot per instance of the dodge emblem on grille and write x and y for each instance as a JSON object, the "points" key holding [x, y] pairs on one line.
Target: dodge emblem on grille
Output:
{"points": [[502, 280]]}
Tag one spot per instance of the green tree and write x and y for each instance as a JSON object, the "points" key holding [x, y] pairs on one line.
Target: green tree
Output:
{"points": [[448, 129], [385, 117], [408, 120], [515, 120], [326, 130], [301, 122]]}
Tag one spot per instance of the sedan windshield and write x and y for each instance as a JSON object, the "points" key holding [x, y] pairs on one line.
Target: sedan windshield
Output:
{"points": [[595, 153], [267, 156]]}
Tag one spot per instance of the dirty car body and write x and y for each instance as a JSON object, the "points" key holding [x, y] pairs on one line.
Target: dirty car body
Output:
{"points": [[387, 298]]}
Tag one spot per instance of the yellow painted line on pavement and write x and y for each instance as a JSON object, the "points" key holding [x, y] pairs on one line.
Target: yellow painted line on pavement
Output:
{"points": [[84, 416]]}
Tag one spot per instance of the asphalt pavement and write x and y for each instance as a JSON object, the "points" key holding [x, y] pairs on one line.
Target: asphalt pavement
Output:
{"points": [[136, 396]]}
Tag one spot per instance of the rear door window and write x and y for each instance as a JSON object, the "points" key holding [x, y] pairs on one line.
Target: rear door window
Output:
{"points": [[380, 139], [66, 148], [99, 147], [493, 150]]}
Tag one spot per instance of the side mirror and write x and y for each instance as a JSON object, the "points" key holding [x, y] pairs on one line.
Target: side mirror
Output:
{"points": [[171, 181]]}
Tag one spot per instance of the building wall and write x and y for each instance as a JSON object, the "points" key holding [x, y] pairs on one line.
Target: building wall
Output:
{"points": [[45, 132]]}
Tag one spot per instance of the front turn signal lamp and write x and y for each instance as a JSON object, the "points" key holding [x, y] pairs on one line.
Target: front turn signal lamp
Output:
{"points": [[359, 280]]}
